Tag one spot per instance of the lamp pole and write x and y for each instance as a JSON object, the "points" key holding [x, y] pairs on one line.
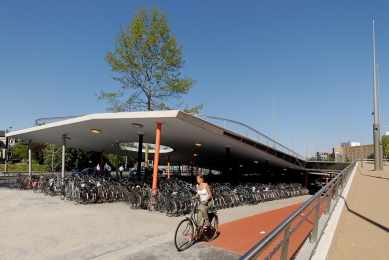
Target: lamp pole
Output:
{"points": [[361, 152], [379, 121], [306, 141], [376, 125], [292, 133], [273, 125], [341, 148]]}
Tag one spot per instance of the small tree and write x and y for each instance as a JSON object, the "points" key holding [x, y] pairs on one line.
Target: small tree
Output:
{"points": [[53, 158], [147, 60], [385, 145], [20, 150], [37, 152]]}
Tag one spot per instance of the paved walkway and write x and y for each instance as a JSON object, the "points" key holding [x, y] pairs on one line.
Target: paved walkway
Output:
{"points": [[363, 227], [34, 226]]}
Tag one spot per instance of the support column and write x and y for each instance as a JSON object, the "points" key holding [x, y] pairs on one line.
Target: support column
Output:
{"points": [[29, 158], [101, 162], [117, 160], [191, 166], [227, 165], [168, 167], [63, 155], [6, 154], [140, 144], [238, 174], [146, 159], [156, 156], [306, 179]]}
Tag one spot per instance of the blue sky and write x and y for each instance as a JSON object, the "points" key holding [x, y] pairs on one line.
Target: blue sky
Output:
{"points": [[313, 57]]}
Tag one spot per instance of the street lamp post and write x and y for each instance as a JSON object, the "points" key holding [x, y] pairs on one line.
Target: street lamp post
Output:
{"points": [[376, 126]]}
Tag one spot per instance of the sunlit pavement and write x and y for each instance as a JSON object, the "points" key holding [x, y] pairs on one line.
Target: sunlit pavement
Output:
{"points": [[34, 226]]}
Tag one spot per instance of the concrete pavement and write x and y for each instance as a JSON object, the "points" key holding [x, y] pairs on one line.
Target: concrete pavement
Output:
{"points": [[362, 231], [33, 226]]}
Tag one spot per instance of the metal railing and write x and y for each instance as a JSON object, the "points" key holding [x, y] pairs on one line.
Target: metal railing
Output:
{"points": [[43, 121], [297, 236], [251, 133]]}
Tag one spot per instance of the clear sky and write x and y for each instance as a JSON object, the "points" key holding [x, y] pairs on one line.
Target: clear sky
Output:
{"points": [[313, 57]]}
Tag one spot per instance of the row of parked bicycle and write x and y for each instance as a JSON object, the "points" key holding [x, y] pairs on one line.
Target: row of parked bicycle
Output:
{"points": [[173, 196]]}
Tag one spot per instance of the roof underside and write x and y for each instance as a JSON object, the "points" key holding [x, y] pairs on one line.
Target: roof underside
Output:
{"points": [[180, 131]]}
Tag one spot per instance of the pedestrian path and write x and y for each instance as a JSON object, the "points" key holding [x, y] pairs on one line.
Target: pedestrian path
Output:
{"points": [[362, 231]]}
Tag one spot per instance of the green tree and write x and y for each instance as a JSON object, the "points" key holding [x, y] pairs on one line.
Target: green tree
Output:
{"points": [[385, 145], [20, 150], [147, 61], [53, 158], [37, 154], [111, 160]]}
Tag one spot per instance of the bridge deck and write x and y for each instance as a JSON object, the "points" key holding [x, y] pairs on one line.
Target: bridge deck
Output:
{"points": [[363, 228]]}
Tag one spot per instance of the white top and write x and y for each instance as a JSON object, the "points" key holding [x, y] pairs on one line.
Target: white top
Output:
{"points": [[203, 194]]}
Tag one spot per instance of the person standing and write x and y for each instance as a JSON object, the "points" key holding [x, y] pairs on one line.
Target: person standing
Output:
{"points": [[97, 170], [121, 169], [107, 170]]}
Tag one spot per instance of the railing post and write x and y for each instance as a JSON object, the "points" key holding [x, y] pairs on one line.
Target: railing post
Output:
{"points": [[336, 191], [315, 228], [341, 182], [329, 200], [285, 246]]}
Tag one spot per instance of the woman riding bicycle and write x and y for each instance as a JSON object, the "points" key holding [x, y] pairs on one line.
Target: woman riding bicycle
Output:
{"points": [[204, 191]]}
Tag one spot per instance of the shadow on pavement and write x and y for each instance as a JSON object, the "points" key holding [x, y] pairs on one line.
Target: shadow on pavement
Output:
{"points": [[365, 218]]}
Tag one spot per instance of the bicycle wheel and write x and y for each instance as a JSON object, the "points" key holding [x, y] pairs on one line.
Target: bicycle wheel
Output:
{"points": [[211, 232], [76, 199], [101, 196], [46, 191], [184, 235], [171, 208], [63, 193]]}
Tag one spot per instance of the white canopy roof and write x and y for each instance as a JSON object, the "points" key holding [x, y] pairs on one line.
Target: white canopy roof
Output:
{"points": [[180, 131]]}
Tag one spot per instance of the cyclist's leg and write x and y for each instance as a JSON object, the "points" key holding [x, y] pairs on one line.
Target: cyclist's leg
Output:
{"points": [[206, 207], [201, 214]]}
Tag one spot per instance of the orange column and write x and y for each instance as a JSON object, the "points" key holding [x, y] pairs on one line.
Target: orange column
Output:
{"points": [[306, 179], [191, 166], [101, 162], [156, 155], [168, 167]]}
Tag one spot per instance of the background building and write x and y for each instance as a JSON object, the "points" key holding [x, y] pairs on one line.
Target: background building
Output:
{"points": [[350, 144], [322, 156], [337, 153], [356, 152]]}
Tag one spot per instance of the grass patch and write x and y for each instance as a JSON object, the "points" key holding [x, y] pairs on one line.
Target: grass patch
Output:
{"points": [[21, 167]]}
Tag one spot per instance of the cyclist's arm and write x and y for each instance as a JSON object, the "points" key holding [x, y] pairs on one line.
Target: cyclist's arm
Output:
{"points": [[195, 196], [209, 193]]}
